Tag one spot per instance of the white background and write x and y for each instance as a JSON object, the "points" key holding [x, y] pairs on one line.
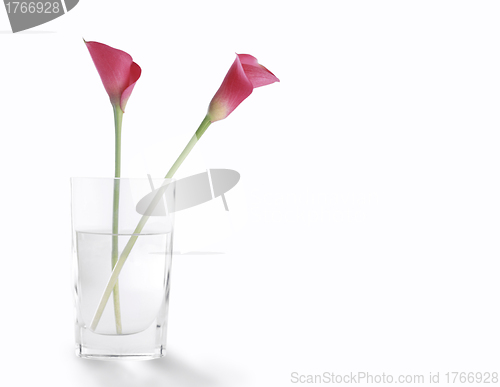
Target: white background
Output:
{"points": [[364, 235]]}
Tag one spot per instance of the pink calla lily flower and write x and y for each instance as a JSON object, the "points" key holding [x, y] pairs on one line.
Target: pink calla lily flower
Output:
{"points": [[118, 73], [117, 70], [244, 75]]}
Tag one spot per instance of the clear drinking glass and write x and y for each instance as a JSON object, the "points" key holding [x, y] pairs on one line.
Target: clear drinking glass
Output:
{"points": [[105, 215]]}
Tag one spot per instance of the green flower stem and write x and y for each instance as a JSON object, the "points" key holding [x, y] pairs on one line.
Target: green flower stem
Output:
{"points": [[199, 132], [118, 113], [113, 280]]}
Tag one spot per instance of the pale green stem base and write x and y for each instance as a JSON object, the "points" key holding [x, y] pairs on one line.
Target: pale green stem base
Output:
{"points": [[113, 280]]}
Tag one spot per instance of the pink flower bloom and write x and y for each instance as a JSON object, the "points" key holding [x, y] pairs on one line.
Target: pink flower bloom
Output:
{"points": [[117, 70], [244, 75]]}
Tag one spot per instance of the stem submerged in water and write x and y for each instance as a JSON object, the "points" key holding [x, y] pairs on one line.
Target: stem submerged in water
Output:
{"points": [[113, 280]]}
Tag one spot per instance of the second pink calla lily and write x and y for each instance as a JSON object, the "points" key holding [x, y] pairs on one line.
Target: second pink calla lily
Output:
{"points": [[244, 75], [117, 70]]}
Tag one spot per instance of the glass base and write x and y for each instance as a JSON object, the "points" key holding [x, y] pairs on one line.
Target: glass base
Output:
{"points": [[145, 345], [88, 353]]}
